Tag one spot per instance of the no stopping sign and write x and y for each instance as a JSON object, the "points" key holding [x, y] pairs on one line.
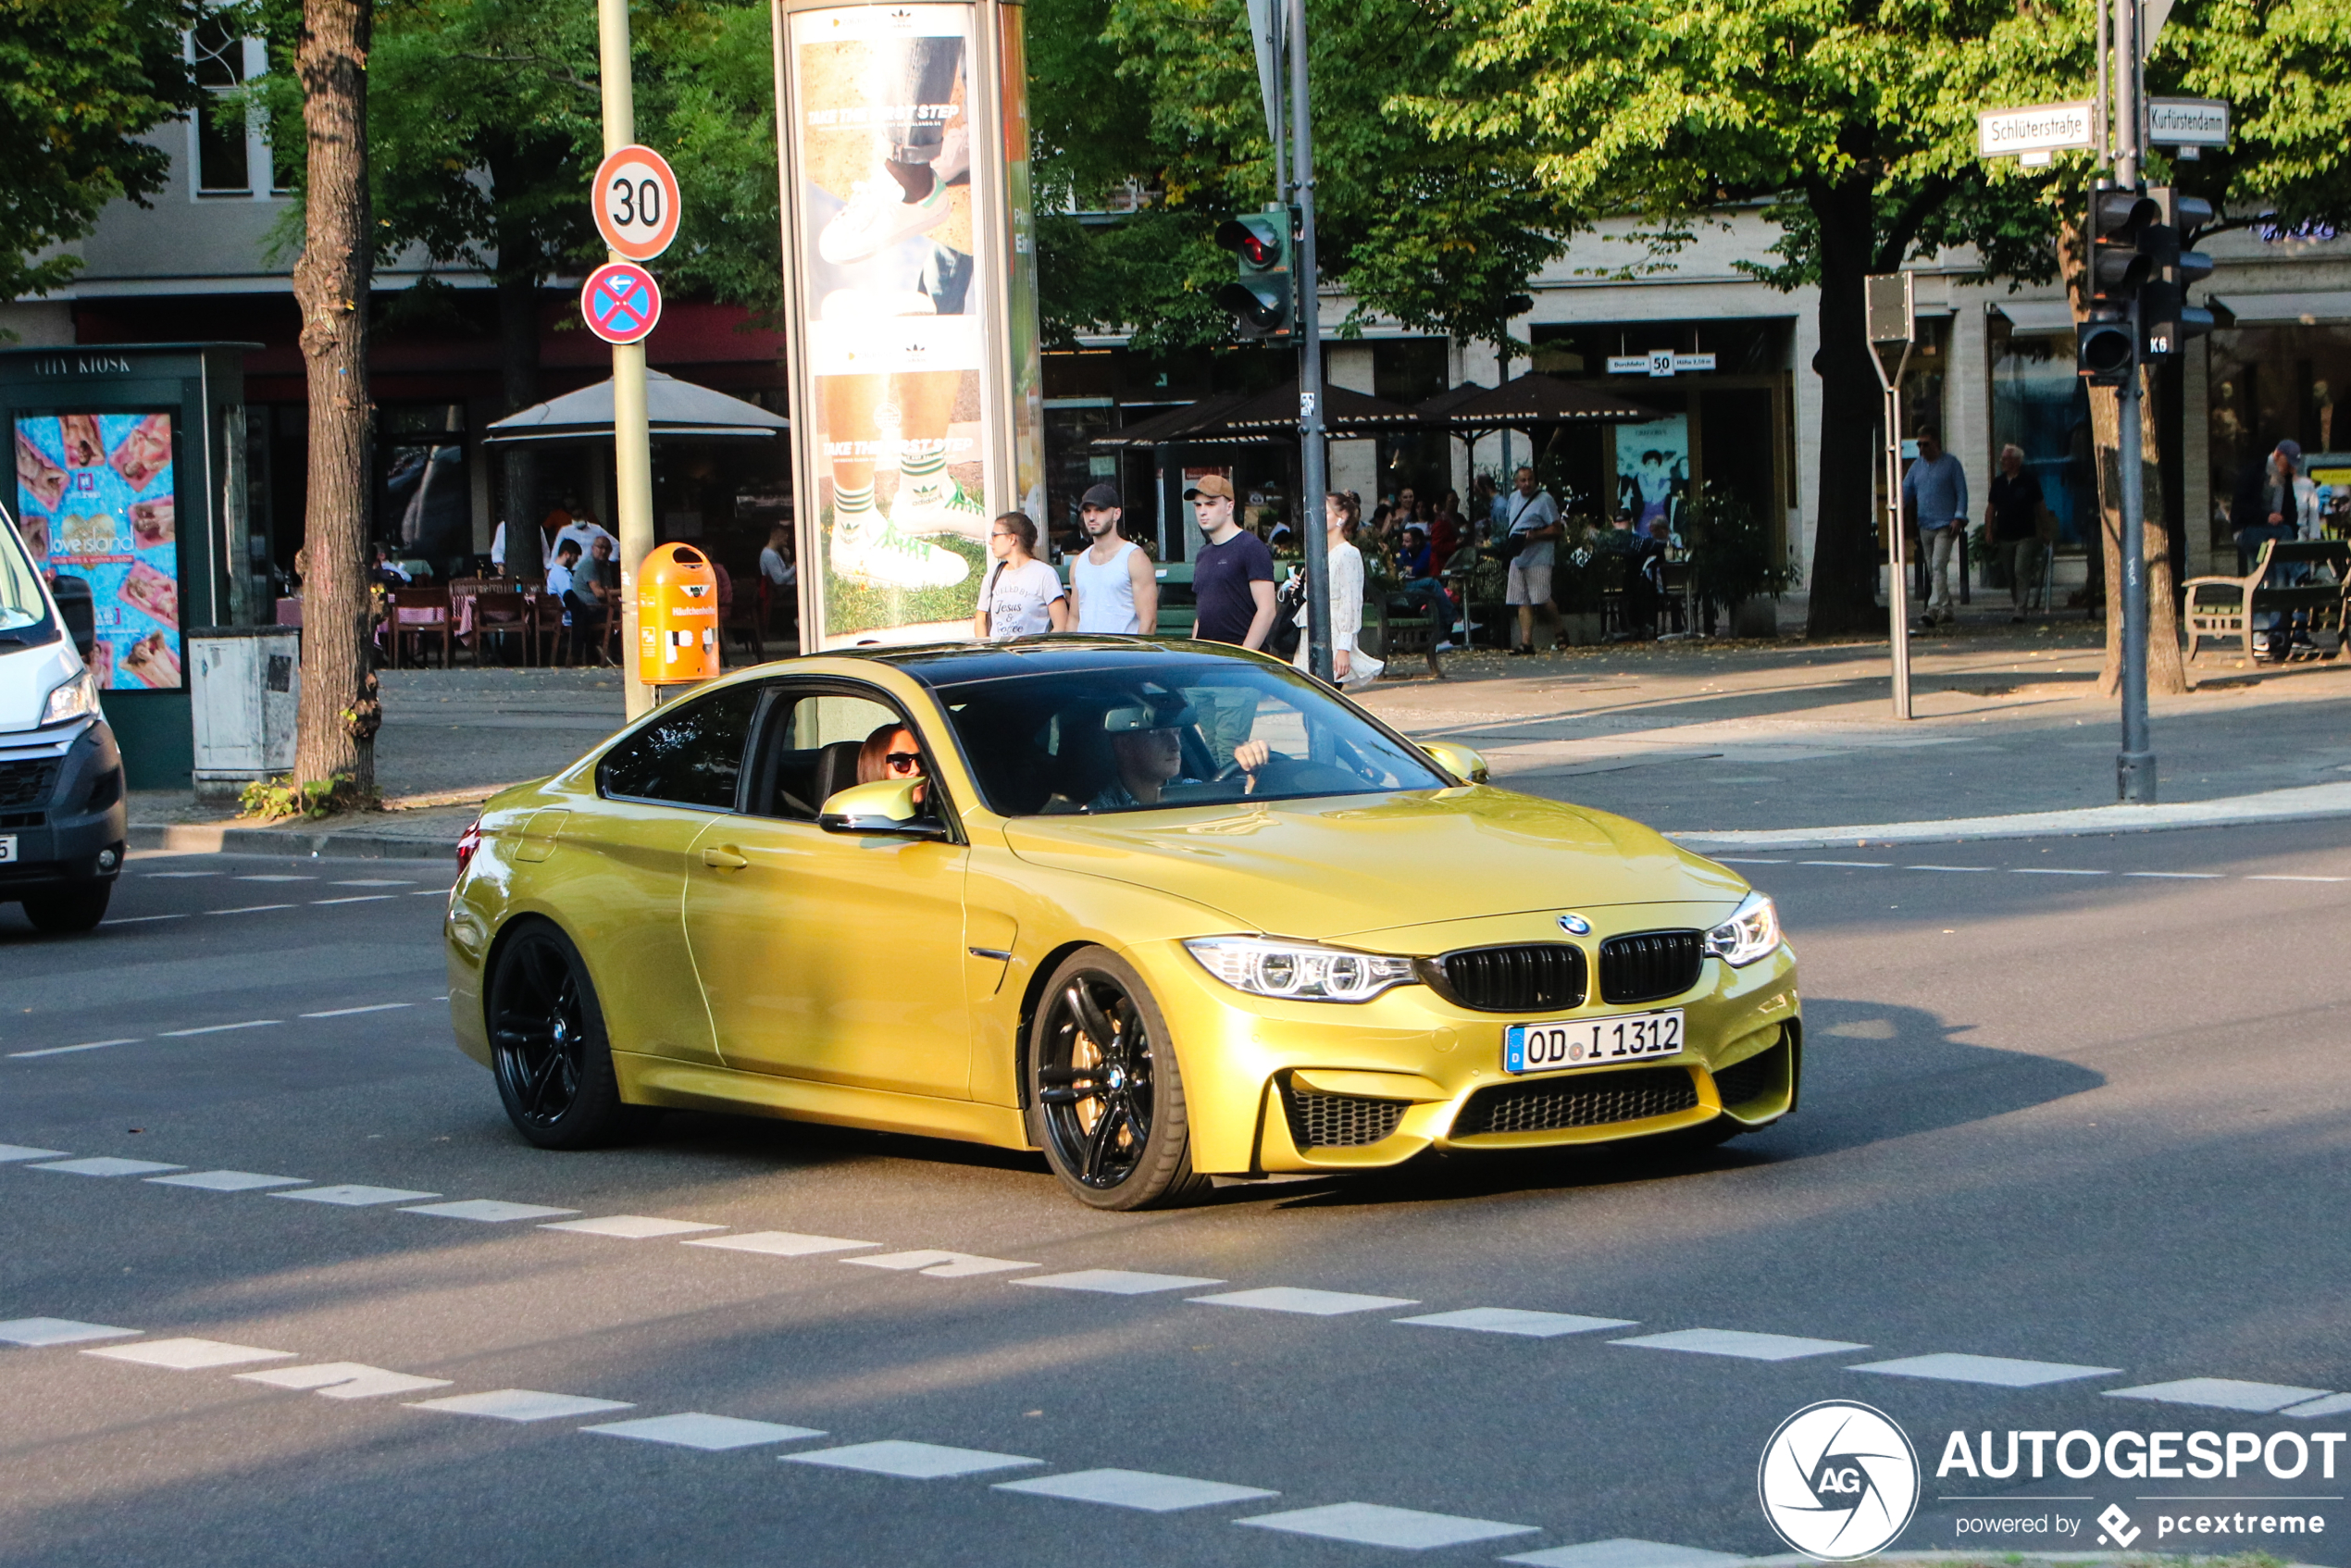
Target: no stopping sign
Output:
{"points": [[636, 202], [621, 302]]}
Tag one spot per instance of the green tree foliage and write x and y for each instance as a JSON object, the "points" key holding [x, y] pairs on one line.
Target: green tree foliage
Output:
{"points": [[2281, 65], [80, 82]]}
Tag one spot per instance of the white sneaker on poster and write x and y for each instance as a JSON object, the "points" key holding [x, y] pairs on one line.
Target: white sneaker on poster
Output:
{"points": [[878, 216], [945, 508], [879, 556]]}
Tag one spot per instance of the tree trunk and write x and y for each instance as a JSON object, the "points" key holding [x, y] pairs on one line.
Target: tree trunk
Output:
{"points": [[335, 735], [1844, 543]]}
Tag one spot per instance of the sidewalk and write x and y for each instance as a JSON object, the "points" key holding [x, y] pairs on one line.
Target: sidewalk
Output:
{"points": [[1702, 740]]}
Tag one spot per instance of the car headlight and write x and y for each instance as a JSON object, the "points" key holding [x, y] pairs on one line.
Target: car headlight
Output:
{"points": [[1751, 932], [1300, 971], [75, 699]]}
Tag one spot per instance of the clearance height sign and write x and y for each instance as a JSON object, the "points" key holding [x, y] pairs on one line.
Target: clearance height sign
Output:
{"points": [[910, 267]]}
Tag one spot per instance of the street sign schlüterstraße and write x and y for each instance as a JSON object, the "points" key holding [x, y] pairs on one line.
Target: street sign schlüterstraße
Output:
{"points": [[2037, 127]]}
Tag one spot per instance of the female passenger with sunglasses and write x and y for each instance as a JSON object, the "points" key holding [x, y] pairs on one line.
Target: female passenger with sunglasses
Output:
{"points": [[891, 753]]}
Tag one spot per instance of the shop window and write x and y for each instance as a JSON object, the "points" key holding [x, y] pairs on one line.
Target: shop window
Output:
{"points": [[2039, 404], [2270, 384], [423, 497]]}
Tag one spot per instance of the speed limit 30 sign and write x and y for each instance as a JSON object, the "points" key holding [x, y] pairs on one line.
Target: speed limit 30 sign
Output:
{"points": [[636, 202]]}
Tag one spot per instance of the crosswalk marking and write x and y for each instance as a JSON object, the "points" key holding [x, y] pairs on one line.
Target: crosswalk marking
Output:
{"points": [[937, 1264], [1135, 1488], [1116, 1281], [1372, 1524], [2000, 1371], [188, 1355], [354, 1196], [57, 1331], [343, 1380], [1738, 1342], [1511, 1320], [11, 1151], [229, 1181], [712, 1434], [782, 1243], [70, 1050], [487, 1210], [1314, 1304], [347, 1011], [518, 1404], [629, 1227], [913, 1462], [2220, 1393], [108, 1165], [221, 1028], [1626, 1552]]}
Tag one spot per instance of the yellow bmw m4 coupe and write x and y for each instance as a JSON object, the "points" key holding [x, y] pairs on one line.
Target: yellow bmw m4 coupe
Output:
{"points": [[1161, 909]]}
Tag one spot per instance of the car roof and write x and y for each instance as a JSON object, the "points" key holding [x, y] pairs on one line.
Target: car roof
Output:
{"points": [[959, 664]]}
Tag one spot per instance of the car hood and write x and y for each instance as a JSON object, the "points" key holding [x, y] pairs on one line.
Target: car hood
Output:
{"points": [[26, 677], [1325, 869]]}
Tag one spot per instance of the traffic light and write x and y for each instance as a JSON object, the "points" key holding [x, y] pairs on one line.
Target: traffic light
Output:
{"points": [[2166, 319], [1263, 302], [2107, 350]]}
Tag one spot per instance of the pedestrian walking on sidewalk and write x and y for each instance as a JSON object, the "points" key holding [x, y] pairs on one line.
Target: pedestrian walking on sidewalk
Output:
{"points": [[2012, 525], [1112, 579], [1350, 665], [1533, 523], [1936, 487]]}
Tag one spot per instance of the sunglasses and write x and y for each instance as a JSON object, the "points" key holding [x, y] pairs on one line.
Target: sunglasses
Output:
{"points": [[903, 762]]}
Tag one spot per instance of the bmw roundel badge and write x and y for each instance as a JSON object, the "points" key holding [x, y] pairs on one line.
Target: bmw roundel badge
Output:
{"points": [[1575, 925]]}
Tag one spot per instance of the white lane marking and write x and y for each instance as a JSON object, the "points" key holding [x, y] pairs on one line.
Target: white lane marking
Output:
{"points": [[275, 876], [1746, 860], [432, 893], [1737, 1342], [57, 1331], [1115, 1282], [2005, 1372], [937, 1264], [377, 882], [2280, 877], [68, 1049], [178, 874], [1626, 1552], [9, 1152], [348, 1012], [229, 1181], [188, 1355], [2179, 875], [518, 1404], [1907, 868], [632, 1228], [344, 1380], [354, 1196], [1316, 1304], [782, 1243], [250, 909], [1372, 1524], [2054, 871], [914, 1461], [489, 1211], [108, 1165], [1135, 1488], [356, 898], [1511, 1320], [1858, 864], [2333, 1404], [2220, 1393], [139, 919], [712, 1434], [221, 1028]]}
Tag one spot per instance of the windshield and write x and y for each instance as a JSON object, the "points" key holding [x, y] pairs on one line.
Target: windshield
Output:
{"points": [[21, 605], [1145, 731]]}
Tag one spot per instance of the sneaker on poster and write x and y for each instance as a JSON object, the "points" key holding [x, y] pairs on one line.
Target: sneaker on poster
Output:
{"points": [[940, 508], [878, 216], [877, 554]]}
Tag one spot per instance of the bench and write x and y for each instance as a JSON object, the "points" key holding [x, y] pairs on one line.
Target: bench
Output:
{"points": [[2223, 608]]}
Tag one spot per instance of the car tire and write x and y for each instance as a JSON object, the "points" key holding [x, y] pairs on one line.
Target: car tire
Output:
{"points": [[547, 1044], [75, 909], [1109, 1115]]}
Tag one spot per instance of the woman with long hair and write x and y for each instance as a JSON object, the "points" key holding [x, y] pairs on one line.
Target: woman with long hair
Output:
{"points": [[1021, 596], [1349, 665]]}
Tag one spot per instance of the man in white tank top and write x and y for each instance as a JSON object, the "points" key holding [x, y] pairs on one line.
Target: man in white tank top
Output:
{"points": [[1111, 580]]}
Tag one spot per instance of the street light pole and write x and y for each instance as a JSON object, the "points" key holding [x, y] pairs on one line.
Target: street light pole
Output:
{"points": [[2134, 768], [1306, 291], [632, 468]]}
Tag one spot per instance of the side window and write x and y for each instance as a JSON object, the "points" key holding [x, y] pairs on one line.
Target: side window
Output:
{"points": [[812, 751], [692, 756]]}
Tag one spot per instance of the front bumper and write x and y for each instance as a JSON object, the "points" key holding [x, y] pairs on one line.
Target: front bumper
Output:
{"points": [[61, 799], [1290, 1086]]}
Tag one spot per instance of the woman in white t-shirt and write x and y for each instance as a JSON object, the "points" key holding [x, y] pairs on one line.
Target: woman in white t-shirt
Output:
{"points": [[1021, 596], [1349, 665]]}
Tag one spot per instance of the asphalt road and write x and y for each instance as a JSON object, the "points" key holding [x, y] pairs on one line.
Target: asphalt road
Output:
{"points": [[2076, 1103]]}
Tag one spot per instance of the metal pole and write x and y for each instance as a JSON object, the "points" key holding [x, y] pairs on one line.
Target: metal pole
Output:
{"points": [[632, 466], [2103, 98], [2128, 105], [1897, 592], [1306, 286], [2134, 768]]}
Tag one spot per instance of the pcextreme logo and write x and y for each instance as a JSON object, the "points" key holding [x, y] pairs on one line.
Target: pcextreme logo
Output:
{"points": [[1838, 1480]]}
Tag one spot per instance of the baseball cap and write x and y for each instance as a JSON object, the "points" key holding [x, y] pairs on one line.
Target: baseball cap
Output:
{"points": [[1214, 485], [2292, 451], [1103, 495]]}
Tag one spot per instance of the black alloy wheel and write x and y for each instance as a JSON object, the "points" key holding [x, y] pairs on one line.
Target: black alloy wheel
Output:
{"points": [[1107, 1103], [547, 1044]]}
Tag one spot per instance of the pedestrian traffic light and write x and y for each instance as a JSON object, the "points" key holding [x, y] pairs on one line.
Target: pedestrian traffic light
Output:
{"points": [[1263, 302], [2106, 349], [2166, 319]]}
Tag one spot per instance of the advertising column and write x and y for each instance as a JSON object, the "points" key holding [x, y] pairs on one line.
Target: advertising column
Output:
{"points": [[909, 263]]}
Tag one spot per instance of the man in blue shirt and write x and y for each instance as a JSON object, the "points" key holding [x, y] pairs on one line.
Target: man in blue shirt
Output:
{"points": [[1936, 491]]}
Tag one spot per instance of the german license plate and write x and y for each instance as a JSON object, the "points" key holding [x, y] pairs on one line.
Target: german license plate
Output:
{"points": [[1584, 1042], [7, 848]]}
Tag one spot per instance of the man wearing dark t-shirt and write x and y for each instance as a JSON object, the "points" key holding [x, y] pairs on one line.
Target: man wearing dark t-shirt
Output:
{"points": [[1233, 576]]}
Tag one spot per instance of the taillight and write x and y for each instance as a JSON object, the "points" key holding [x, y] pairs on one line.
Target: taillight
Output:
{"points": [[467, 843]]}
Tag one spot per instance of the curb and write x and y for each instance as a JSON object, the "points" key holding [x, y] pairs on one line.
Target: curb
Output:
{"points": [[2305, 803], [201, 838]]}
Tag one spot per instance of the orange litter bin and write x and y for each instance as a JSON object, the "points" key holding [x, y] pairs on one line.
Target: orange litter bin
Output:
{"points": [[677, 618]]}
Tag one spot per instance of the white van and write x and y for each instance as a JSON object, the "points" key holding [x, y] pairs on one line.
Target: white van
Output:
{"points": [[63, 819]]}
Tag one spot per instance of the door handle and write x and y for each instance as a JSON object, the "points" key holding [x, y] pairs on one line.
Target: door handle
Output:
{"points": [[723, 860]]}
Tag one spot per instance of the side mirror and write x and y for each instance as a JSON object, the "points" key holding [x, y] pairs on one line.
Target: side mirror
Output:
{"points": [[1459, 761], [78, 612], [887, 805]]}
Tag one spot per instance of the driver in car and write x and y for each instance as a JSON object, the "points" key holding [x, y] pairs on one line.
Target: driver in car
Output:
{"points": [[1147, 746]]}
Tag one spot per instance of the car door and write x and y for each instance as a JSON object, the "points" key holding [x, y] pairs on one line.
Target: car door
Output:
{"points": [[829, 956], [622, 867]]}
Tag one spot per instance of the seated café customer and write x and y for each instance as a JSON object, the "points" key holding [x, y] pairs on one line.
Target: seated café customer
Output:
{"points": [[584, 612], [1416, 563], [891, 752]]}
